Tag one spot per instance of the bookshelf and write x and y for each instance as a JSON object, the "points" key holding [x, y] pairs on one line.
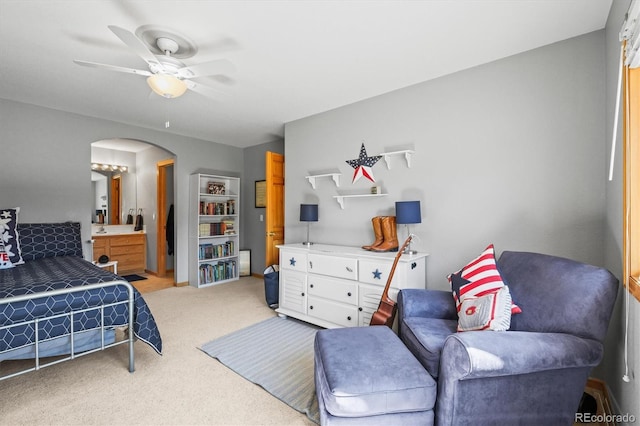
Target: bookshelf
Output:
{"points": [[214, 219]]}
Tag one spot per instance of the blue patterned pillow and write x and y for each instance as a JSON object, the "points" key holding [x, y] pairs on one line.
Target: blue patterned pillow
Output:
{"points": [[9, 234], [39, 240]]}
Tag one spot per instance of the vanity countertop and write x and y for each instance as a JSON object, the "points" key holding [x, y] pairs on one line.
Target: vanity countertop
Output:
{"points": [[107, 230]]}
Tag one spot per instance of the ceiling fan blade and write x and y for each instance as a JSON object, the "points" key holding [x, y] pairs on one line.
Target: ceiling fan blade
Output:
{"points": [[136, 45], [112, 67], [204, 90], [218, 66]]}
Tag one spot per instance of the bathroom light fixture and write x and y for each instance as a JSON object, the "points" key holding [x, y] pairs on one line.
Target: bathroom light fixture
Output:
{"points": [[109, 167], [167, 85], [408, 212], [308, 213]]}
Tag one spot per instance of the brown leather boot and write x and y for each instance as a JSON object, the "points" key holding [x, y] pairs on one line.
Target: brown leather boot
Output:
{"points": [[377, 230], [389, 234]]}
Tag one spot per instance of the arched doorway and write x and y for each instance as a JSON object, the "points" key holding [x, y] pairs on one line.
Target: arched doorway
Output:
{"points": [[142, 159]]}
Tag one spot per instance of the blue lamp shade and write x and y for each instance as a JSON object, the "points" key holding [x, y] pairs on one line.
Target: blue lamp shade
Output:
{"points": [[308, 212], [408, 212]]}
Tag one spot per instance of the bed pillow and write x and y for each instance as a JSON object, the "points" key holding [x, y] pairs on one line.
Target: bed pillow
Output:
{"points": [[9, 234], [489, 312], [39, 240], [477, 278]]}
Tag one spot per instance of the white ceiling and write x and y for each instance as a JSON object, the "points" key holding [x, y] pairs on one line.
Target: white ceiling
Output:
{"points": [[293, 58]]}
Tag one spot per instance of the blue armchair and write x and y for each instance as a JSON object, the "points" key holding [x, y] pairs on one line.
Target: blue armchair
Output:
{"points": [[534, 373]]}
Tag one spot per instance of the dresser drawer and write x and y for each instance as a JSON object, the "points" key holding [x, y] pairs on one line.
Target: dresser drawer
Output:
{"points": [[125, 240], [99, 243], [130, 262], [334, 266], [124, 250], [377, 272], [293, 260], [333, 288], [337, 313]]}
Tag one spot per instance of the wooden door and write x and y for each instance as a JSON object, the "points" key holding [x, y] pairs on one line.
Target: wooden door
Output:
{"points": [[274, 225], [115, 210], [162, 209]]}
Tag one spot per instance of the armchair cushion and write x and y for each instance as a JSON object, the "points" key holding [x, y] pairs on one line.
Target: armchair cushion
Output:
{"points": [[559, 295], [425, 338]]}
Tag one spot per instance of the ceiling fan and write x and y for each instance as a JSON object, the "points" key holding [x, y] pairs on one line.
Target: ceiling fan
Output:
{"points": [[167, 76]]}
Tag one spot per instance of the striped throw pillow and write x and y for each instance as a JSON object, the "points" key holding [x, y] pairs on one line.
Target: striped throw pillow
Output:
{"points": [[479, 277]]}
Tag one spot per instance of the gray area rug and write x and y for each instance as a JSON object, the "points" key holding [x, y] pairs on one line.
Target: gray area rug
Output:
{"points": [[276, 354]]}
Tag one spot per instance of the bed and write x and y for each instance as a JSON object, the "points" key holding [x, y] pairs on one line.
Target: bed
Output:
{"points": [[57, 306]]}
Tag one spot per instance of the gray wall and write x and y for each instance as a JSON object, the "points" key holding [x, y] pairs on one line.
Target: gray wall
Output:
{"points": [[510, 153], [45, 158], [253, 231], [626, 395]]}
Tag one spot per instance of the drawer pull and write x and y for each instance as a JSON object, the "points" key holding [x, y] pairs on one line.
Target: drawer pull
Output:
{"points": [[349, 269], [349, 294], [311, 285], [349, 318], [302, 294], [413, 265], [310, 265], [360, 309], [311, 307]]}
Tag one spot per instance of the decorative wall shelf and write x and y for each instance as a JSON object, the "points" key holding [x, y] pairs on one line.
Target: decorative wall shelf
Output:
{"points": [[334, 176], [407, 156], [340, 198]]}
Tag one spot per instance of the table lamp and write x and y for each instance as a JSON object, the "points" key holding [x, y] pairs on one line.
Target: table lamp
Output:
{"points": [[308, 213], [408, 212]]}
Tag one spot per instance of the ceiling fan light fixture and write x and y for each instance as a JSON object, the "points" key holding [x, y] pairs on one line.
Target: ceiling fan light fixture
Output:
{"points": [[167, 85]]}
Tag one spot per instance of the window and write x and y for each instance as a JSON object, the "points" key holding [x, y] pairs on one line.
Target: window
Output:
{"points": [[631, 186]]}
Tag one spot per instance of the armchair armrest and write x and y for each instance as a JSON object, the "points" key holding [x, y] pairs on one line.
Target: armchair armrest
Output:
{"points": [[426, 303], [476, 354]]}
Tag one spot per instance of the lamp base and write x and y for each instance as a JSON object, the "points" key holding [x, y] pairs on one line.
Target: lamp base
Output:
{"points": [[307, 243], [407, 251]]}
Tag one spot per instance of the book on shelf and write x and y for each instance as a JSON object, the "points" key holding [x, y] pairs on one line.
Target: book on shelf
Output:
{"points": [[212, 251], [217, 208], [216, 228], [222, 270]]}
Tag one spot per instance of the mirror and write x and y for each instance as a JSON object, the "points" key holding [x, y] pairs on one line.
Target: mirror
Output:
{"points": [[114, 195], [114, 190]]}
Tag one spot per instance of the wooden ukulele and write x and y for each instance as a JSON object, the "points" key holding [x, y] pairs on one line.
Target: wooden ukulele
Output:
{"points": [[386, 313]]}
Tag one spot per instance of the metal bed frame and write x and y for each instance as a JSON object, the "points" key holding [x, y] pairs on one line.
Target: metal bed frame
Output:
{"points": [[72, 355]]}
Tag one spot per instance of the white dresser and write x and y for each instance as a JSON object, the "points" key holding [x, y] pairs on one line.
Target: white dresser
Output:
{"points": [[340, 286]]}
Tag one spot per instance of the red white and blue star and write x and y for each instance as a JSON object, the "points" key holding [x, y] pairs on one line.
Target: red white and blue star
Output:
{"points": [[363, 164]]}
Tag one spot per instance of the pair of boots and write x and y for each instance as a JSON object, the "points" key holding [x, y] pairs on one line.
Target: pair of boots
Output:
{"points": [[384, 228]]}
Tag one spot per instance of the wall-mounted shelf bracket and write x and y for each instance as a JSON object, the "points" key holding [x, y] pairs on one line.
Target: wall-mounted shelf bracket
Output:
{"points": [[340, 198], [407, 156], [334, 176]]}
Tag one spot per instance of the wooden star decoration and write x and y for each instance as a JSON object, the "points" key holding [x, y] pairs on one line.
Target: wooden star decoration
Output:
{"points": [[363, 164]]}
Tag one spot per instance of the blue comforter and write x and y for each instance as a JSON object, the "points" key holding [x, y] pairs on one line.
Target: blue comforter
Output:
{"points": [[63, 272]]}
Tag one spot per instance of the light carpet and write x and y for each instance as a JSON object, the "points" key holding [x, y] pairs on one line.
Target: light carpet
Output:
{"points": [[276, 354]]}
